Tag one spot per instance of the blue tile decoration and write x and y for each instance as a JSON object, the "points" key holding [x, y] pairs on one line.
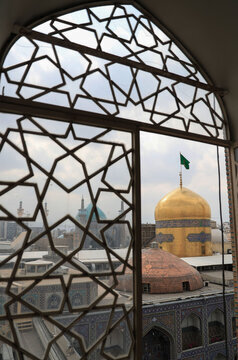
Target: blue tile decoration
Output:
{"points": [[164, 224], [164, 237], [202, 237]]}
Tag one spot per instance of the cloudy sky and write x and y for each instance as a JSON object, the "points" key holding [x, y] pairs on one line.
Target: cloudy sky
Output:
{"points": [[160, 166], [159, 154]]}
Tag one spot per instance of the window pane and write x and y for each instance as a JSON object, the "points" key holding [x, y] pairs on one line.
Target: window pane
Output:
{"points": [[67, 235]]}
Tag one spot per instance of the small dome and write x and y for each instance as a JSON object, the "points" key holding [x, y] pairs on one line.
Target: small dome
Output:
{"points": [[182, 204], [163, 272]]}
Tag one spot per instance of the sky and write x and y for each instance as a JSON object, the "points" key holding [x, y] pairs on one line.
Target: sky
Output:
{"points": [[159, 154], [160, 167]]}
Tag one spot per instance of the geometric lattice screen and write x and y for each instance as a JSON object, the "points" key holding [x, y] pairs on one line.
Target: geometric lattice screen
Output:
{"points": [[66, 206], [112, 60], [68, 188]]}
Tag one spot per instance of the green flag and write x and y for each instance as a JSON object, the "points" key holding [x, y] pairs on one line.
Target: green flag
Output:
{"points": [[184, 161]]}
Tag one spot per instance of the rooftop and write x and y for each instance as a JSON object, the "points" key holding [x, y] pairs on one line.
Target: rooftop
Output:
{"points": [[208, 260], [206, 291]]}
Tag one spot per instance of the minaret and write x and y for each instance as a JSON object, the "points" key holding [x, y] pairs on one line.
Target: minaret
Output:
{"points": [[82, 213], [20, 210], [122, 207], [46, 209], [82, 203], [81, 217]]}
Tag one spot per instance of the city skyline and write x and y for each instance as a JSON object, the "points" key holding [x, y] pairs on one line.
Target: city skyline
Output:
{"points": [[160, 167]]}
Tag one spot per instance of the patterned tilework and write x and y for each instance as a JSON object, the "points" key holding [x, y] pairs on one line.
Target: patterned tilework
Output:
{"points": [[205, 328], [164, 319], [160, 315], [188, 311], [101, 327], [163, 224], [202, 237], [218, 348], [178, 331], [83, 330], [167, 317], [164, 237], [192, 355]]}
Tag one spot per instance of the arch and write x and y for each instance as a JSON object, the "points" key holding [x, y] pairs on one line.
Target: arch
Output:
{"points": [[163, 350], [162, 85], [216, 327], [191, 332], [53, 302]]}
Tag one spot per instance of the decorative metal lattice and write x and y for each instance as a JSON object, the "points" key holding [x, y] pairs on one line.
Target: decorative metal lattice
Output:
{"points": [[112, 60], [58, 296], [67, 239]]}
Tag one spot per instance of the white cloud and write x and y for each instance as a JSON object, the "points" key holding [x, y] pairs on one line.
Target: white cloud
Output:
{"points": [[160, 166]]}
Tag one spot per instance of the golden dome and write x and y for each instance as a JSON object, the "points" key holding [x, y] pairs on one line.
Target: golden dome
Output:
{"points": [[182, 204]]}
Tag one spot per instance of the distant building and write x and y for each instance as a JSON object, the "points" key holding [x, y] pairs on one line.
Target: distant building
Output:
{"points": [[217, 241], [184, 314], [12, 230], [117, 236], [48, 294], [2, 230], [147, 234], [9, 230], [183, 308]]}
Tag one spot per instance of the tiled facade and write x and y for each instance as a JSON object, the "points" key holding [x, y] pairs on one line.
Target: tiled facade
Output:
{"points": [[168, 317]]}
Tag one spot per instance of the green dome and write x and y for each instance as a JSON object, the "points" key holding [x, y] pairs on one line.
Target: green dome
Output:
{"points": [[86, 212]]}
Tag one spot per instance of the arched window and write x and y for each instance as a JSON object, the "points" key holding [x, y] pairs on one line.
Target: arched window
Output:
{"points": [[78, 88], [156, 345], [216, 327], [191, 332]]}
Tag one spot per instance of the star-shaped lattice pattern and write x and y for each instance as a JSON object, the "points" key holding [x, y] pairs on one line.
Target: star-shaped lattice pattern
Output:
{"points": [[120, 30], [63, 161]]}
